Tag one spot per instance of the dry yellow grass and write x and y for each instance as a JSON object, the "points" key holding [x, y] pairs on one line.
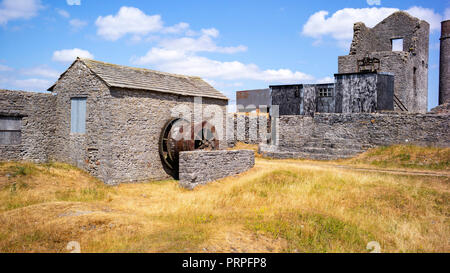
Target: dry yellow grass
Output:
{"points": [[275, 207]]}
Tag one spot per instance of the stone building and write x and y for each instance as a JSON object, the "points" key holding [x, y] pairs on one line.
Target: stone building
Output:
{"points": [[106, 119], [400, 45], [444, 67], [363, 92]]}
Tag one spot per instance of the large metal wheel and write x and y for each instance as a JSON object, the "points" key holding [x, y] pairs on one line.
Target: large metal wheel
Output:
{"points": [[175, 138]]}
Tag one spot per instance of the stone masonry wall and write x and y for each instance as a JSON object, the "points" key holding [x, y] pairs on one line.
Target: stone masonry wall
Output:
{"points": [[331, 136], [247, 129], [37, 125], [409, 66], [137, 119], [122, 127], [201, 167]]}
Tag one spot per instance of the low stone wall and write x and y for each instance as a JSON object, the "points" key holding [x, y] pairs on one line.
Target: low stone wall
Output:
{"points": [[200, 167], [332, 136]]}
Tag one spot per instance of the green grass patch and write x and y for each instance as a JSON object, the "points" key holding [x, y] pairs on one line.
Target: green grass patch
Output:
{"points": [[307, 232], [406, 156]]}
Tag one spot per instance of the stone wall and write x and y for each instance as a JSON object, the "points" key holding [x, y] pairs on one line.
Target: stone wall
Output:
{"points": [[137, 119], [444, 64], [122, 126], [247, 129], [409, 66], [201, 167], [331, 136], [37, 113]]}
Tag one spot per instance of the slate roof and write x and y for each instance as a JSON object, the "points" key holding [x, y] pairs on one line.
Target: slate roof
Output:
{"points": [[145, 79]]}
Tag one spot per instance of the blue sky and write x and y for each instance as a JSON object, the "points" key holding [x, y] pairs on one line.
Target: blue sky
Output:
{"points": [[234, 45]]}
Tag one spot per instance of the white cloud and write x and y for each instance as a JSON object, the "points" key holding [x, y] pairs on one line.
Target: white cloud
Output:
{"points": [[77, 23], [178, 28], [41, 71], [340, 24], [128, 20], [63, 13], [447, 14], [204, 43], [211, 32], [373, 2], [325, 80], [69, 55], [35, 84], [176, 61], [4, 68], [18, 9], [73, 2]]}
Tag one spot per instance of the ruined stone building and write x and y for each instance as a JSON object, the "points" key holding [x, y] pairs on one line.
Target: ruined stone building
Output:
{"points": [[364, 92], [115, 122], [387, 69], [399, 45], [444, 64]]}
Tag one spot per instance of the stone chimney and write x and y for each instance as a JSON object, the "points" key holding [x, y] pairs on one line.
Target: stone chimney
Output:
{"points": [[444, 64]]}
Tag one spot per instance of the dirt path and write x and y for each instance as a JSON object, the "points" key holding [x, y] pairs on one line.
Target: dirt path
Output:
{"points": [[365, 169]]}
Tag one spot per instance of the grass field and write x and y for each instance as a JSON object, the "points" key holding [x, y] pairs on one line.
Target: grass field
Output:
{"points": [[278, 206]]}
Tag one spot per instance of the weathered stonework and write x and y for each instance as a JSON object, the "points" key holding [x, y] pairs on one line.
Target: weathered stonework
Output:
{"points": [[444, 64], [409, 66], [37, 112], [248, 129], [123, 126], [332, 136], [196, 166]]}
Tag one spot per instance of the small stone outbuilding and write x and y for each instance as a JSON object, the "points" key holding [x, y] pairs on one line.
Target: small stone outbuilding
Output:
{"points": [[103, 118]]}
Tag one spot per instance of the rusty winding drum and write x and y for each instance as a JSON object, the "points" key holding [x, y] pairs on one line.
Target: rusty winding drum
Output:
{"points": [[180, 135]]}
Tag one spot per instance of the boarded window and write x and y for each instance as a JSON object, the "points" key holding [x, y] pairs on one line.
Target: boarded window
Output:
{"points": [[10, 130], [78, 115], [397, 44]]}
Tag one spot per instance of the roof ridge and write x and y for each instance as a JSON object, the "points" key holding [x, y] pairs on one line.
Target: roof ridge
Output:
{"points": [[138, 68]]}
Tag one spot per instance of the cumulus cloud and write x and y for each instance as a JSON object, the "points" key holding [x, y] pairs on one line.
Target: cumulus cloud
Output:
{"points": [[18, 9], [73, 2], [41, 71], [187, 63], [339, 25], [373, 2], [77, 23], [35, 84], [128, 20], [69, 55]]}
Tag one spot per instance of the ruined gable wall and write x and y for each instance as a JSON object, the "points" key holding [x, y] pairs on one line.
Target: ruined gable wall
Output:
{"points": [[37, 124], [377, 42]]}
